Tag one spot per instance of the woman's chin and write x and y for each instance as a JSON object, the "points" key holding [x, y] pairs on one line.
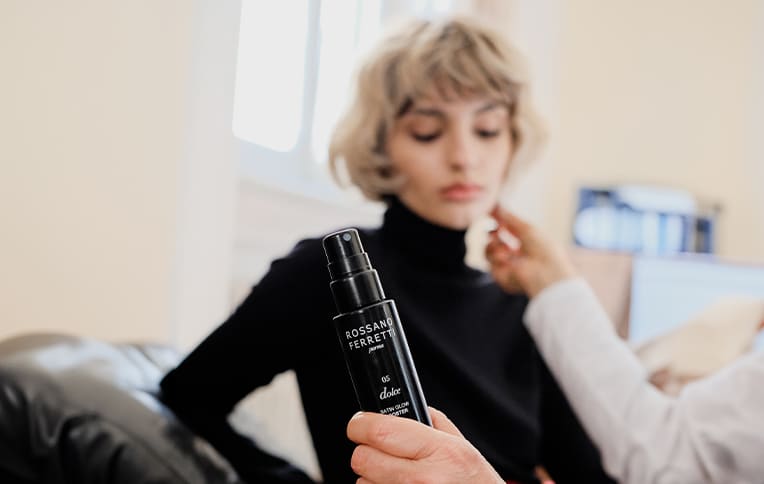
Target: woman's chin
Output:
{"points": [[462, 217], [451, 215]]}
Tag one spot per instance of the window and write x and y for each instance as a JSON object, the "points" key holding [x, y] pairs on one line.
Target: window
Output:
{"points": [[344, 33], [293, 76], [270, 75]]}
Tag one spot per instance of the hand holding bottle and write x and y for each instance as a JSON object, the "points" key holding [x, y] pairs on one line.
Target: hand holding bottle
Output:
{"points": [[534, 264], [394, 450]]}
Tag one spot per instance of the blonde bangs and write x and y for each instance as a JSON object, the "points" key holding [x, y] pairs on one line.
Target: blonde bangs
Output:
{"points": [[454, 59]]}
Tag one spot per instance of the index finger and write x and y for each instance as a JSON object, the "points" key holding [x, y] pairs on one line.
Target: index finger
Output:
{"points": [[397, 436], [516, 226]]}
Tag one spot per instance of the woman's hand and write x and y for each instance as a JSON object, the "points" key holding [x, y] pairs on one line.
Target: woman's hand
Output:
{"points": [[536, 263], [394, 450]]}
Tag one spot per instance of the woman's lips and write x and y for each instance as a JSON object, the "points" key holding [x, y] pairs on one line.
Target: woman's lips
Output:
{"points": [[461, 192]]}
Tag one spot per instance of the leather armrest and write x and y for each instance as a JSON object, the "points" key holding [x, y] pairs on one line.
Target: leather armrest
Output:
{"points": [[74, 410]]}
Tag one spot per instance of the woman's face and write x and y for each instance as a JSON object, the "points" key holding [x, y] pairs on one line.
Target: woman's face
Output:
{"points": [[454, 155]]}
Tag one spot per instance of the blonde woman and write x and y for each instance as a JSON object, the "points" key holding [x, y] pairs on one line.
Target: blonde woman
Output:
{"points": [[439, 118]]}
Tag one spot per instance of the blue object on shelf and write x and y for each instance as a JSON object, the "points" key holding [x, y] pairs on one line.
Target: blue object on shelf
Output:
{"points": [[644, 219]]}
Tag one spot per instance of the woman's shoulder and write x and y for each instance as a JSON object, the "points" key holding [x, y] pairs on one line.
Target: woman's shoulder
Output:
{"points": [[309, 253], [301, 273]]}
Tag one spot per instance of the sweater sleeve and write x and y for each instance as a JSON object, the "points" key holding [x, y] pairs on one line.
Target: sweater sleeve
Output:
{"points": [[567, 452], [643, 435], [272, 331]]}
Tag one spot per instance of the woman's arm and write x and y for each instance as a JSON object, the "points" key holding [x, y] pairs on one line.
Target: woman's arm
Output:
{"points": [[567, 452], [268, 333], [636, 427]]}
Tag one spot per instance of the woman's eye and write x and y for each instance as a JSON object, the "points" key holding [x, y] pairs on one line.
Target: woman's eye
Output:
{"points": [[487, 133], [425, 138]]}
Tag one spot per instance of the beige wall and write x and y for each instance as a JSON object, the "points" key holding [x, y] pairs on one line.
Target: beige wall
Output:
{"points": [[663, 92], [94, 165]]}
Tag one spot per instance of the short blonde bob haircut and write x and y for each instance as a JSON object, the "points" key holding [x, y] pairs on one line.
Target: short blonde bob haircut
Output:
{"points": [[453, 55]]}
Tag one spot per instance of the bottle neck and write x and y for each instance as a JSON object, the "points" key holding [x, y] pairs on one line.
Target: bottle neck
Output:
{"points": [[357, 290]]}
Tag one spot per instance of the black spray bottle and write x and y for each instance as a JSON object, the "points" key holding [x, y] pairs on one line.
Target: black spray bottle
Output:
{"points": [[370, 332]]}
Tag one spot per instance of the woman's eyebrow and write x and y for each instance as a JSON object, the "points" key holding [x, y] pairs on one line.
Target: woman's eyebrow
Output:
{"points": [[434, 112], [491, 105], [437, 113]]}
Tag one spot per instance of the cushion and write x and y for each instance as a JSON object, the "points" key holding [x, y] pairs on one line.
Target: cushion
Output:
{"points": [[77, 410]]}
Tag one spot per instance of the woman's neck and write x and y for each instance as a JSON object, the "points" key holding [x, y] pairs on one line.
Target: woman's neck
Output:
{"points": [[422, 243]]}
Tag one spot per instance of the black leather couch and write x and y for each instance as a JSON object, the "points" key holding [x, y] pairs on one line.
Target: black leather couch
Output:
{"points": [[74, 410]]}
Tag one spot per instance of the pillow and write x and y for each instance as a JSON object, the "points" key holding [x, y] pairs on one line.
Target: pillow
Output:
{"points": [[710, 340]]}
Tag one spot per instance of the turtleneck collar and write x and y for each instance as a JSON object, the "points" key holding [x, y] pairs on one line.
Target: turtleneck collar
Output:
{"points": [[421, 243]]}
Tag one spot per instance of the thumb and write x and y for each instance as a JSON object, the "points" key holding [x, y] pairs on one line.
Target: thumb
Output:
{"points": [[443, 423]]}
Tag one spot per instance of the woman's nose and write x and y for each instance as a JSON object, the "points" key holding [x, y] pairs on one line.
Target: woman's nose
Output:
{"points": [[461, 152]]}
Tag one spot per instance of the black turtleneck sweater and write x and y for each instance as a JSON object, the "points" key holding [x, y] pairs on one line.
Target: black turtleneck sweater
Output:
{"points": [[475, 360]]}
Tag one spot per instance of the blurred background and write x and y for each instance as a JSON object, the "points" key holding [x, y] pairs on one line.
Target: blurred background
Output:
{"points": [[155, 156]]}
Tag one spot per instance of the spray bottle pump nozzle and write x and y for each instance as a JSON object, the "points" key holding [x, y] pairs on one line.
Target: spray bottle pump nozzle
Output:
{"points": [[354, 282]]}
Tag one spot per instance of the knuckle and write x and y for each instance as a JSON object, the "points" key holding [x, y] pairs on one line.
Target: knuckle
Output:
{"points": [[379, 433]]}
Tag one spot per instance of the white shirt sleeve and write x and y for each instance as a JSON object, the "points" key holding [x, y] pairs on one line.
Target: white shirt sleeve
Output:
{"points": [[712, 432]]}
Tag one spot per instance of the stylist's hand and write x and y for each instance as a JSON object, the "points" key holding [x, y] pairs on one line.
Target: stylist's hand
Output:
{"points": [[535, 264], [399, 450]]}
